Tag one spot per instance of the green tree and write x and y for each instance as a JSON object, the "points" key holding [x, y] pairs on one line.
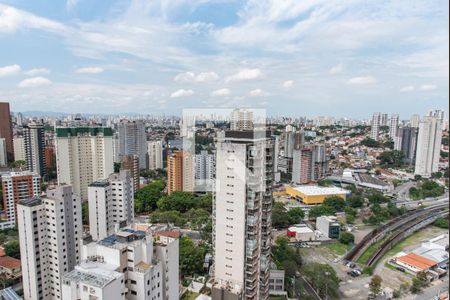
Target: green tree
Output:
{"points": [[295, 215], [355, 201], [280, 217], [184, 201], [146, 198], [346, 238], [168, 217], [85, 213], [325, 182], [377, 198], [375, 285], [321, 210], [191, 257], [335, 202], [198, 217], [419, 282], [369, 142], [441, 222], [285, 257], [12, 248], [323, 278], [392, 158]]}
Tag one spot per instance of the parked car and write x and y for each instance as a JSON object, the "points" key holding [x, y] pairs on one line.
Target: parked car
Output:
{"points": [[401, 269], [352, 273], [351, 265]]}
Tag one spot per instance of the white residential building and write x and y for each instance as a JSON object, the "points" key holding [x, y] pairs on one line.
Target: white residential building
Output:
{"points": [[415, 121], [428, 146], [18, 186], [242, 215], [155, 155], [241, 119], [393, 126], [384, 119], [111, 204], [149, 267], [116, 146], [133, 141], [188, 172], [375, 129], [34, 148], [19, 148], [83, 155], [3, 157], [50, 234], [406, 141], [94, 280], [205, 166]]}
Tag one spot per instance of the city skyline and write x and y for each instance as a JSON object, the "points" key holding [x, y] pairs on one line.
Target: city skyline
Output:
{"points": [[317, 58]]}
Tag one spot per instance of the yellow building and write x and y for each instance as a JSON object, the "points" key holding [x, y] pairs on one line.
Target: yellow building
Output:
{"points": [[311, 194]]}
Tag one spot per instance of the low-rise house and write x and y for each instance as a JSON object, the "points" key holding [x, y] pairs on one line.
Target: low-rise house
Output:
{"points": [[10, 267]]}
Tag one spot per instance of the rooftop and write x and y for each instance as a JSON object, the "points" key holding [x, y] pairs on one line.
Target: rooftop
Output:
{"points": [[124, 236], [9, 294], [100, 183], [74, 131], [31, 202], [417, 261], [314, 190], [300, 229], [9, 262], [93, 273]]}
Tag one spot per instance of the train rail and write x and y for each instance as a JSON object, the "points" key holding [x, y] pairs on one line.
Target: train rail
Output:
{"points": [[392, 226]]}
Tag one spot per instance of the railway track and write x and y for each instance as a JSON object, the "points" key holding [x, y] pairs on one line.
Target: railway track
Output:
{"points": [[392, 226], [401, 233]]}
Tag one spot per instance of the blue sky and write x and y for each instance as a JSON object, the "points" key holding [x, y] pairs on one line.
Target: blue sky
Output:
{"points": [[292, 57]]}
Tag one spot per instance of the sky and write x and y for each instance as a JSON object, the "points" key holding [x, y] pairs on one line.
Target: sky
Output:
{"points": [[291, 57]]}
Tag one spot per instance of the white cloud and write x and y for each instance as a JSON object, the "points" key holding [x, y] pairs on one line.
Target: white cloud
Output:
{"points": [[336, 69], [182, 93], [408, 88], [89, 70], [10, 70], [362, 80], [258, 93], [245, 74], [34, 82], [37, 71], [221, 92], [288, 84], [427, 87], [196, 78], [12, 19]]}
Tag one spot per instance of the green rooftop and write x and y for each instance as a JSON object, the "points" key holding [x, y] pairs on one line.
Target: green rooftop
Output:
{"points": [[75, 131]]}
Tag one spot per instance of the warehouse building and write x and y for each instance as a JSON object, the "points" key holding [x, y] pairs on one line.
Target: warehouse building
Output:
{"points": [[311, 194]]}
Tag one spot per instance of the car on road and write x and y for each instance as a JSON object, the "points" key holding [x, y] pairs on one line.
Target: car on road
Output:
{"points": [[353, 273], [400, 269], [305, 245]]}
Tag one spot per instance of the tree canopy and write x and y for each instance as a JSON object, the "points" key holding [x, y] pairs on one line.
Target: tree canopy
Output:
{"points": [[191, 257], [12, 248], [323, 278], [146, 198]]}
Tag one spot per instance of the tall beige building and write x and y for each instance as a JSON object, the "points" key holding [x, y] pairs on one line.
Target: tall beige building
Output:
{"points": [[50, 235], [19, 148], [83, 155], [180, 172], [155, 155], [242, 206], [428, 146]]}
